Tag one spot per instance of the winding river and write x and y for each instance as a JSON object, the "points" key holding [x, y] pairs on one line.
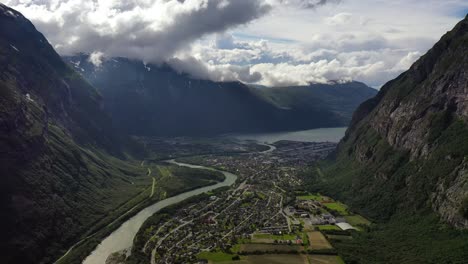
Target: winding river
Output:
{"points": [[122, 238]]}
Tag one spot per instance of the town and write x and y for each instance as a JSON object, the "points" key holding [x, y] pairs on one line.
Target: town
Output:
{"points": [[262, 215]]}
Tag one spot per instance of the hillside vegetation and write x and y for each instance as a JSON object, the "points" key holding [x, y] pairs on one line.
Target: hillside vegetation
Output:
{"points": [[404, 162], [149, 99], [65, 171]]}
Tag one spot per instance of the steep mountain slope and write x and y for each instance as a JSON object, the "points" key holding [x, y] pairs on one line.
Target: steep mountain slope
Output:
{"points": [[339, 98], [156, 100], [55, 169], [404, 160]]}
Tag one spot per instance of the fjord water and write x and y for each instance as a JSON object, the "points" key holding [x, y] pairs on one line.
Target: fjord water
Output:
{"points": [[313, 135], [122, 238]]}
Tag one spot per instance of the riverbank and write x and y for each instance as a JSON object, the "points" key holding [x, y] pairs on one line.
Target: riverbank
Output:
{"points": [[171, 181], [122, 238]]}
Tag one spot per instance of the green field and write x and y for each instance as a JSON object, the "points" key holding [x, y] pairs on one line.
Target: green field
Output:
{"points": [[325, 259], [273, 259], [278, 237], [328, 227], [287, 258], [357, 220], [265, 248], [215, 256], [337, 206], [315, 197]]}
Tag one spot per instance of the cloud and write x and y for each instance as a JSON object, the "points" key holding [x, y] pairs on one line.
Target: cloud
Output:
{"points": [[270, 42], [339, 19], [308, 3], [218, 72], [96, 58], [148, 30], [370, 58]]}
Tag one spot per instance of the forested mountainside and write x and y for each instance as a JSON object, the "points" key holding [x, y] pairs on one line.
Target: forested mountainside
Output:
{"points": [[404, 161], [57, 174], [147, 99], [341, 98]]}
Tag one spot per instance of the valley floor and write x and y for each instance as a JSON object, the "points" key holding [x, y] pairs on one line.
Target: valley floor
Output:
{"points": [[264, 218]]}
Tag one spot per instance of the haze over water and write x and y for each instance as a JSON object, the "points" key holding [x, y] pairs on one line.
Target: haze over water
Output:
{"points": [[312, 135]]}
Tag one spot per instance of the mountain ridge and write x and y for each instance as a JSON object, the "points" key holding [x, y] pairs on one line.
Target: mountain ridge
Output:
{"points": [[412, 136], [403, 163], [182, 105], [58, 148]]}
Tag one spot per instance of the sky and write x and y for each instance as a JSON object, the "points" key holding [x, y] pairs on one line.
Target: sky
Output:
{"points": [[268, 42]]}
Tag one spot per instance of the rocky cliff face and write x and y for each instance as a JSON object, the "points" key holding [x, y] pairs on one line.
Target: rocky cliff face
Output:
{"points": [[407, 147], [437, 83]]}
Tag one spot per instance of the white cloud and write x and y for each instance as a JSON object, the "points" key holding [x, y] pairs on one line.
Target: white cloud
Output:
{"points": [[339, 19], [271, 42], [96, 58]]}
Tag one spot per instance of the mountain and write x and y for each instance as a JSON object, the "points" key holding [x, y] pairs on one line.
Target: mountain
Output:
{"points": [[58, 166], [404, 162], [340, 98], [147, 99]]}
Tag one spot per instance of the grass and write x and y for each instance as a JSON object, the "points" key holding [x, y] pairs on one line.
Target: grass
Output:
{"points": [[315, 197], [357, 220], [325, 259], [217, 256], [152, 187], [265, 248], [327, 227], [337, 206], [272, 259], [278, 237], [318, 241]]}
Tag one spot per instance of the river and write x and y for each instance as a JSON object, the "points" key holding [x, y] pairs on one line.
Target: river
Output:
{"points": [[122, 238]]}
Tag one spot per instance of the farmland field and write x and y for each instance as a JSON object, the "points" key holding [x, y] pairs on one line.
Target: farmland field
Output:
{"points": [[325, 259], [270, 239], [273, 259], [318, 241], [215, 256], [273, 237], [337, 206], [249, 248], [316, 197], [327, 227], [356, 220]]}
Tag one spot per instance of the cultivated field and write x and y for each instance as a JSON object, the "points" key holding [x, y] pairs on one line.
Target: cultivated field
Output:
{"points": [[270, 239], [325, 259], [318, 241], [337, 206], [272, 259], [250, 248], [356, 220], [316, 197], [327, 227]]}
